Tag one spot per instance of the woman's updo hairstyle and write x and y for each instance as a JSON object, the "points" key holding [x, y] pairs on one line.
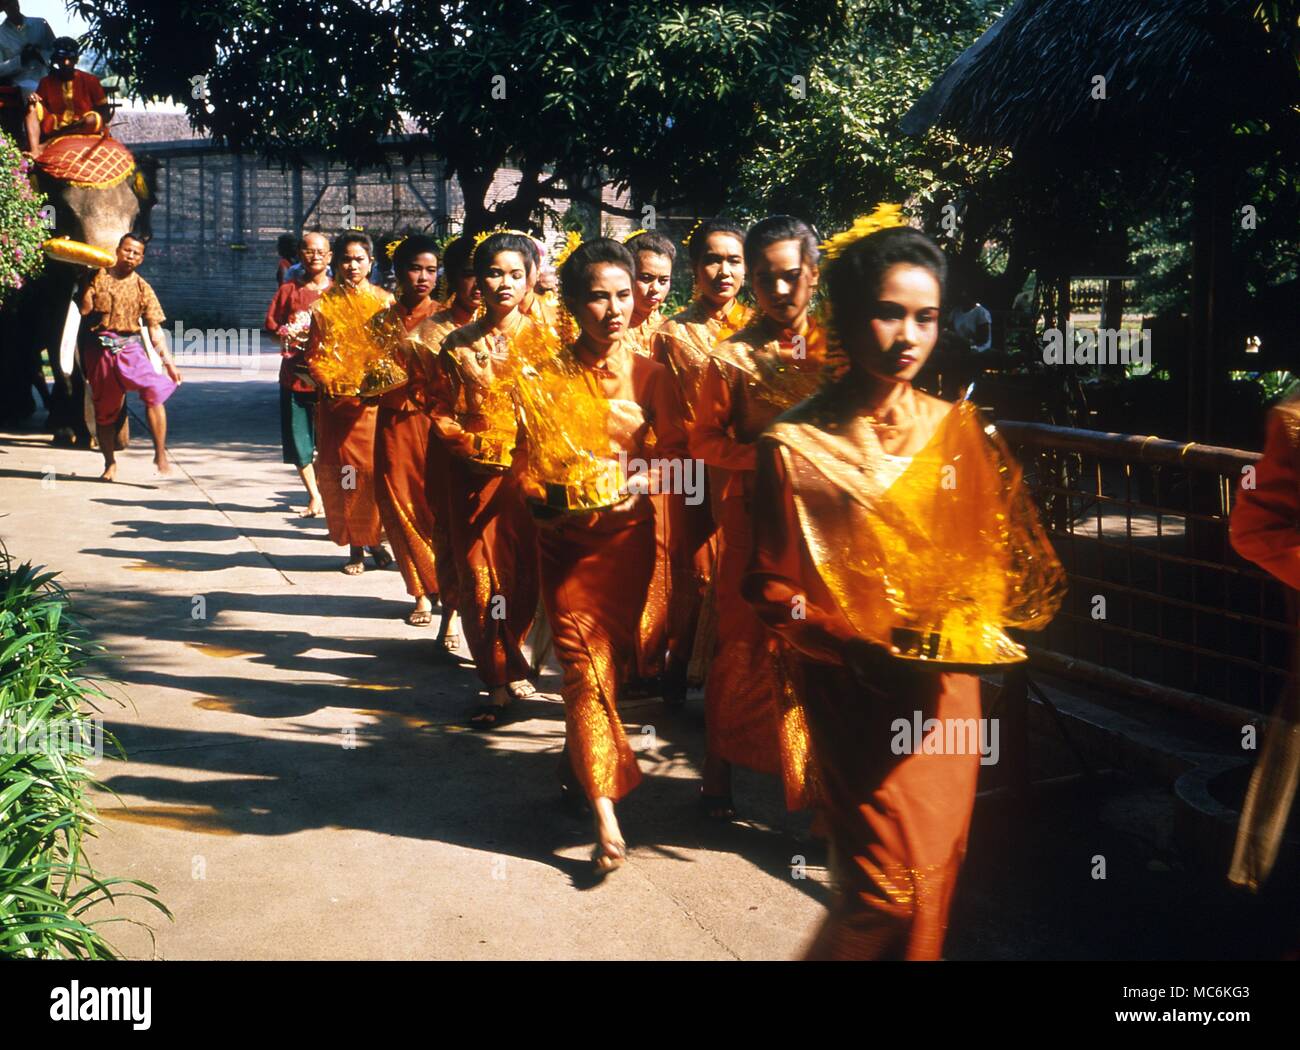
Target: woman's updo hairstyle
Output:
{"points": [[597, 252], [654, 242], [416, 244], [342, 241], [777, 228], [852, 279], [699, 238], [497, 243]]}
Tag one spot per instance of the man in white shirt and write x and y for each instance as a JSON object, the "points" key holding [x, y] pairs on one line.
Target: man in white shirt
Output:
{"points": [[25, 45], [973, 323]]}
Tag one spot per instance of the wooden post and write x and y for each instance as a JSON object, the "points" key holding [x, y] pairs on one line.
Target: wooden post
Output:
{"points": [[1211, 263]]}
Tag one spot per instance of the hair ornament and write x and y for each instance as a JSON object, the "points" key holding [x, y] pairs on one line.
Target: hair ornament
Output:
{"points": [[686, 241], [479, 238], [882, 217], [572, 241]]}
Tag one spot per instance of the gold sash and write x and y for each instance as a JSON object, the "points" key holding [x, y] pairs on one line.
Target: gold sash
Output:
{"points": [[936, 565]]}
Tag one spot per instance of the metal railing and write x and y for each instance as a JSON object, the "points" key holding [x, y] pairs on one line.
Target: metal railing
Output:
{"points": [[1159, 606]]}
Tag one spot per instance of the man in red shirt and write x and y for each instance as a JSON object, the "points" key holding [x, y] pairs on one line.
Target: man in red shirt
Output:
{"points": [[289, 319], [69, 101]]}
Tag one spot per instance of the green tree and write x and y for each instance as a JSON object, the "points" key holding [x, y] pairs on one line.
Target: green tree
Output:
{"points": [[659, 98], [833, 148]]}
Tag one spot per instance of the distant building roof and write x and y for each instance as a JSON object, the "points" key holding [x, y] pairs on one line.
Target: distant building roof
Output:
{"points": [[137, 123]]}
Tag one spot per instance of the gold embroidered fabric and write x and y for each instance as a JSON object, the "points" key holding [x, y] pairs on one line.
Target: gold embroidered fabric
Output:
{"points": [[937, 565], [775, 380], [574, 432], [689, 338], [483, 366], [356, 352]]}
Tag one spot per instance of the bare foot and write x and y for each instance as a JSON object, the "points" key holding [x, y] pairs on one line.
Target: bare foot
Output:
{"points": [[354, 568], [313, 510], [611, 851], [110, 473], [163, 465]]}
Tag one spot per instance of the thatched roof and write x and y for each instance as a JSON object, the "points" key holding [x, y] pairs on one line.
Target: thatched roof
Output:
{"points": [[1174, 70]]}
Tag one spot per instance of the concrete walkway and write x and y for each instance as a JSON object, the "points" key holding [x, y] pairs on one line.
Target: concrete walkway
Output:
{"points": [[298, 783]]}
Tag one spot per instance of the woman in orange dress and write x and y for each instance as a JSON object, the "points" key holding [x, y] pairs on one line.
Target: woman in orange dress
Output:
{"points": [[683, 343], [345, 425], [459, 309], [653, 254], [597, 553], [492, 536], [895, 543], [402, 430], [770, 365]]}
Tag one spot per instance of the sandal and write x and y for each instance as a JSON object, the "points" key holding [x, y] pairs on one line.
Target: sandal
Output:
{"points": [[522, 689], [354, 568], [721, 808], [382, 558], [487, 717], [420, 617]]}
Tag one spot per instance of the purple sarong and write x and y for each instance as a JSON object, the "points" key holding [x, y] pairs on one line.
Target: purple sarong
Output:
{"points": [[115, 363]]}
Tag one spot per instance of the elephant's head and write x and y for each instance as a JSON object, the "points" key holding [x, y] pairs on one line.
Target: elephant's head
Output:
{"points": [[103, 216]]}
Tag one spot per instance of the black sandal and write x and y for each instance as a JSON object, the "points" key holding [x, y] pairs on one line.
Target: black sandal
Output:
{"points": [[721, 808]]}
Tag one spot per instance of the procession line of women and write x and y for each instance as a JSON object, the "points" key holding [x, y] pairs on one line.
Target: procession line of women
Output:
{"points": [[831, 581]]}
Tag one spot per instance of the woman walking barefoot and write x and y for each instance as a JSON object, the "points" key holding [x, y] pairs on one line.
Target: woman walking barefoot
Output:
{"points": [[457, 311], [402, 430], [345, 425], [597, 545], [896, 543]]}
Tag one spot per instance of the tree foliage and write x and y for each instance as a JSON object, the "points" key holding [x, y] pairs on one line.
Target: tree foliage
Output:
{"points": [[838, 149], [659, 98]]}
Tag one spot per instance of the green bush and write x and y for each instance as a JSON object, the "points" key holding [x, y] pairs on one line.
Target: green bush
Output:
{"points": [[46, 698]]}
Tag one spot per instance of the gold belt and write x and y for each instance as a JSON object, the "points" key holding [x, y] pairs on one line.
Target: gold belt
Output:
{"points": [[594, 493], [491, 450]]}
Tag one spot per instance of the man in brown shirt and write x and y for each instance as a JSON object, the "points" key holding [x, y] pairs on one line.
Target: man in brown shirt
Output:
{"points": [[116, 303]]}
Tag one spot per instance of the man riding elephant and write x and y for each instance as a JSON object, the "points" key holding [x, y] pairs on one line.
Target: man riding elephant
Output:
{"points": [[69, 101]]}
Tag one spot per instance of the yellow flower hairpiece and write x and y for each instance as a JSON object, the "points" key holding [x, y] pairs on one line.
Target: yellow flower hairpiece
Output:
{"points": [[633, 236], [686, 241], [572, 240], [392, 246], [882, 217], [479, 238]]}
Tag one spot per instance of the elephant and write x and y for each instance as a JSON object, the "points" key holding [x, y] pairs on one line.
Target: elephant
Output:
{"points": [[35, 319]]}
